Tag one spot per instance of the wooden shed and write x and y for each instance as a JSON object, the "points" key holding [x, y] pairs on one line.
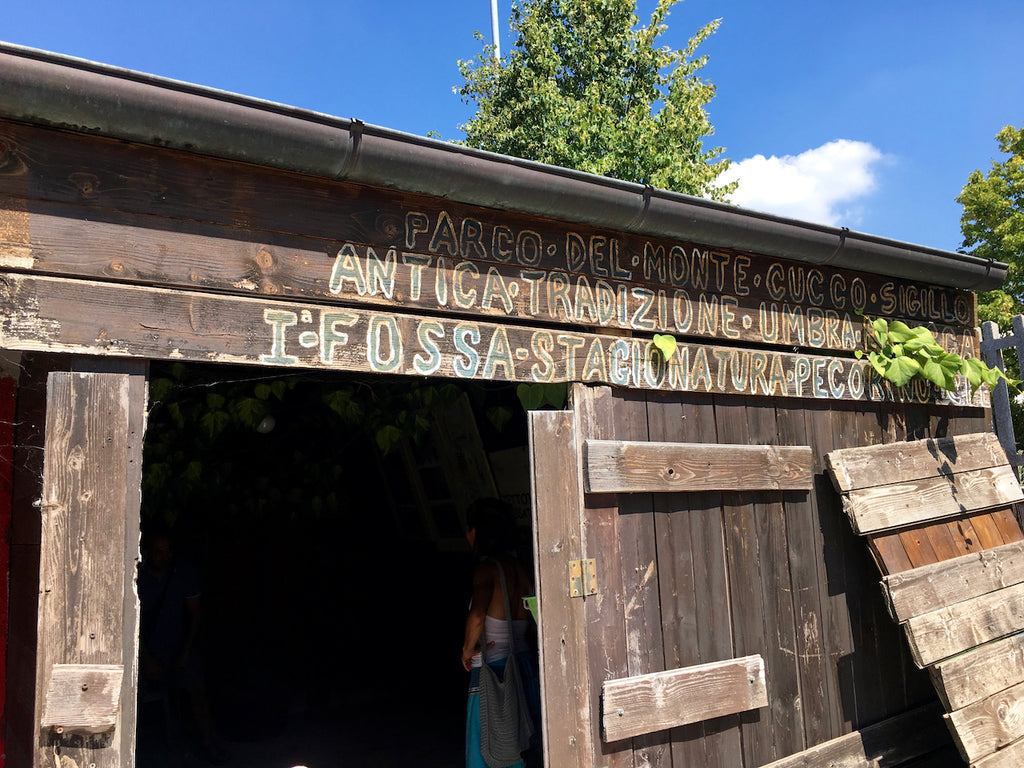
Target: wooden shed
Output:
{"points": [[703, 600]]}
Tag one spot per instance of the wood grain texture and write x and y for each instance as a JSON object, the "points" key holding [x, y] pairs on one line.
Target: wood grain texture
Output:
{"points": [[83, 699], [901, 504], [565, 686], [606, 645], [987, 725], [662, 700], [889, 743], [102, 179], [627, 467], [868, 466], [82, 563], [1010, 756], [980, 672], [57, 314], [959, 627], [931, 587]]}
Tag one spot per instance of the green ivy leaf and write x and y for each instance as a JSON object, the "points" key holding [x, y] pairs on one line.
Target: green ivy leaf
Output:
{"points": [[900, 370], [667, 344], [555, 394], [387, 438], [531, 396]]}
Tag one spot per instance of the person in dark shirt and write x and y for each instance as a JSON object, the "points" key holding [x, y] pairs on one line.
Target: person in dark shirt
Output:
{"points": [[169, 596]]}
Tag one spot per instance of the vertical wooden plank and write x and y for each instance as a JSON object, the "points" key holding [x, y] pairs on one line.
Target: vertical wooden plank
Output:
{"points": [[776, 596], [837, 634], [82, 551], [877, 662], [744, 557], [722, 738], [138, 391], [809, 585], [565, 688], [645, 651], [676, 575], [604, 612]]}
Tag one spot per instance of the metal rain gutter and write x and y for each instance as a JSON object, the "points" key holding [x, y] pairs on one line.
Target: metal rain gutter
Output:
{"points": [[52, 90]]}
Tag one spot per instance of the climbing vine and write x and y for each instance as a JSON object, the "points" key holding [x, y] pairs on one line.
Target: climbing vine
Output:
{"points": [[899, 353]]}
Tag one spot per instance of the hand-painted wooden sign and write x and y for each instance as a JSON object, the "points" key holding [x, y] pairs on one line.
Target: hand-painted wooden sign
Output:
{"points": [[100, 318]]}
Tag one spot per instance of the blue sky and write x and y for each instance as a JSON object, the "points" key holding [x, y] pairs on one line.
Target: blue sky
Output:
{"points": [[863, 114]]}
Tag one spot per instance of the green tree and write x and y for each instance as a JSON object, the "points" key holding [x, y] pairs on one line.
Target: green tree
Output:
{"points": [[993, 224], [585, 87]]}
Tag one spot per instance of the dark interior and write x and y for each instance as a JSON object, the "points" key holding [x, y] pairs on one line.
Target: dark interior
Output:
{"points": [[328, 536]]}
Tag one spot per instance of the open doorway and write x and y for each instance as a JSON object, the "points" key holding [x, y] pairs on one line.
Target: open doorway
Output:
{"points": [[323, 516]]}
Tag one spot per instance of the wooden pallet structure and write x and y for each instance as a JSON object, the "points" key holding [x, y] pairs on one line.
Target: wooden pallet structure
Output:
{"points": [[939, 521]]}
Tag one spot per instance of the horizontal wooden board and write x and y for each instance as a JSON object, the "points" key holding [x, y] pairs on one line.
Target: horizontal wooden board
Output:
{"points": [[915, 501], [658, 701], [619, 466], [980, 672], [931, 587], [83, 698], [99, 176], [885, 744], [868, 466], [959, 627], [1010, 756], [84, 317], [985, 726]]}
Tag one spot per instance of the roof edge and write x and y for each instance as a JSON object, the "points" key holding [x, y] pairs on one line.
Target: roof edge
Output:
{"points": [[42, 88]]}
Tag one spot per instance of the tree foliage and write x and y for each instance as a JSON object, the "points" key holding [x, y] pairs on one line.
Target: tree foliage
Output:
{"points": [[585, 87], [993, 224]]}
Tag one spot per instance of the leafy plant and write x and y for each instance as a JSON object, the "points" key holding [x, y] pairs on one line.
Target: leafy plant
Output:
{"points": [[903, 353], [534, 396], [667, 344]]}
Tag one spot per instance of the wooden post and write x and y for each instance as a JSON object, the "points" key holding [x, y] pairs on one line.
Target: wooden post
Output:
{"points": [[89, 546]]}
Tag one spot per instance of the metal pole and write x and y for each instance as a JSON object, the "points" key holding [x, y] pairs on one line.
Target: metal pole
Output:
{"points": [[494, 30]]}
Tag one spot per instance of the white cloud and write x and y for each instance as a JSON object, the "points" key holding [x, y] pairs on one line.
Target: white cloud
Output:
{"points": [[817, 185]]}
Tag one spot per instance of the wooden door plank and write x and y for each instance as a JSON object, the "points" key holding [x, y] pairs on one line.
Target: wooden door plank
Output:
{"points": [[743, 549], [890, 554], [604, 614], [885, 744], [82, 562], [1007, 524], [956, 628], [722, 737], [677, 582], [807, 581], [900, 504], [565, 687], [638, 561], [867, 466], [776, 593], [987, 725], [933, 586], [662, 700], [980, 672], [623, 467], [1010, 756], [837, 634]]}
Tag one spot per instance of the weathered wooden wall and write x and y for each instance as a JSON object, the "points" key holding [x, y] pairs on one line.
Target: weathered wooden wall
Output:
{"points": [[114, 249], [689, 578]]}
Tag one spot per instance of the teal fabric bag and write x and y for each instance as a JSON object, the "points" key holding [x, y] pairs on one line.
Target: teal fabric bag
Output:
{"points": [[505, 723]]}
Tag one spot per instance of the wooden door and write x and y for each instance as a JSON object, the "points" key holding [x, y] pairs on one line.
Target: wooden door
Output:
{"points": [[659, 633]]}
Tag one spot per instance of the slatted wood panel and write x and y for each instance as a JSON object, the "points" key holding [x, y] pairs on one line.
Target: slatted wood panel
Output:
{"points": [[956, 582], [690, 578], [620, 466]]}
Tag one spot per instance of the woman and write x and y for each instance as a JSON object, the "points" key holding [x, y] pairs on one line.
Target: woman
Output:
{"points": [[490, 533]]}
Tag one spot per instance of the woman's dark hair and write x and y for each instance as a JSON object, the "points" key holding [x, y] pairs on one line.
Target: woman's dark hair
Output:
{"points": [[495, 529]]}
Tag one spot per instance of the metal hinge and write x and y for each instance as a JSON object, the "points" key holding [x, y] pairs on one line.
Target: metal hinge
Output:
{"points": [[582, 578]]}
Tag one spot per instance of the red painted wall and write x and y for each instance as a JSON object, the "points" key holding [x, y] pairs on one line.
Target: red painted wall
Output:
{"points": [[8, 388]]}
